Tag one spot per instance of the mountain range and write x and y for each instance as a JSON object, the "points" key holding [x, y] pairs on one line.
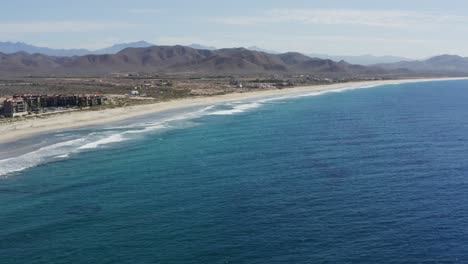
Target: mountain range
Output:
{"points": [[146, 58], [177, 60], [12, 47], [361, 59], [358, 59], [439, 65]]}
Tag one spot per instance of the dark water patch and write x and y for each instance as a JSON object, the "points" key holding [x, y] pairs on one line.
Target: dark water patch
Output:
{"points": [[84, 210]]}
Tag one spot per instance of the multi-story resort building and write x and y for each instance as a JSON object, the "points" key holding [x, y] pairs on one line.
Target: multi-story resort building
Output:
{"points": [[27, 103]]}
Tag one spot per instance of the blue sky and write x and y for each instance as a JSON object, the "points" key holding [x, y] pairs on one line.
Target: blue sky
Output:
{"points": [[411, 28]]}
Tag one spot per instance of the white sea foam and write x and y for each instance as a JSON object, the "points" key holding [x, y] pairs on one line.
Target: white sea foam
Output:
{"points": [[94, 140], [59, 150], [148, 126], [207, 108], [237, 109], [107, 140], [190, 115], [314, 93], [38, 156], [243, 106]]}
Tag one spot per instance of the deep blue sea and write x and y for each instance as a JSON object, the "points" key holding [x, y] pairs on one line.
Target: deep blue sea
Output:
{"points": [[377, 175]]}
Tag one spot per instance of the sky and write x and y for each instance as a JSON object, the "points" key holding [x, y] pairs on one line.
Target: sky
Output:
{"points": [[408, 28]]}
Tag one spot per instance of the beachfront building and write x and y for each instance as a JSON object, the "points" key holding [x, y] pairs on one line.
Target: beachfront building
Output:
{"points": [[90, 100], [15, 107], [25, 103], [37, 102]]}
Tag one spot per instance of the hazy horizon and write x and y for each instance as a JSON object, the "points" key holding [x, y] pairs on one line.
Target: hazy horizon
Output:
{"points": [[211, 47], [415, 30]]}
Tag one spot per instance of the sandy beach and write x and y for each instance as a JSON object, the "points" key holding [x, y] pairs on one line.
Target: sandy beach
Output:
{"points": [[14, 131]]}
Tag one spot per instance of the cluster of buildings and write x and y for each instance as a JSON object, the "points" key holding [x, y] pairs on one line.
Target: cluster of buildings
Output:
{"points": [[259, 84], [28, 103]]}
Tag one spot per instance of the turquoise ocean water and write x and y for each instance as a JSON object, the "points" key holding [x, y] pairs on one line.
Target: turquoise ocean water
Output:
{"points": [[376, 175]]}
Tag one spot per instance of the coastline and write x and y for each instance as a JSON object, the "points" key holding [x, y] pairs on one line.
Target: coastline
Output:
{"points": [[15, 131]]}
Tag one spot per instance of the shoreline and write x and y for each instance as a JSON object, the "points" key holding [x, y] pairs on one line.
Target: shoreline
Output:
{"points": [[15, 131]]}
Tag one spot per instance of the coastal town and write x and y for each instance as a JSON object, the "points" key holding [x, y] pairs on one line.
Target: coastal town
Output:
{"points": [[28, 104], [33, 96]]}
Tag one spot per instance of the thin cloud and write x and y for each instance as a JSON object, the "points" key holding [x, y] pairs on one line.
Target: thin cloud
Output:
{"points": [[361, 40], [188, 40], [145, 11], [371, 18], [61, 26]]}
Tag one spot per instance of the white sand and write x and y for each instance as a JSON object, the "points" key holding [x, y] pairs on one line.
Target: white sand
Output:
{"points": [[14, 131]]}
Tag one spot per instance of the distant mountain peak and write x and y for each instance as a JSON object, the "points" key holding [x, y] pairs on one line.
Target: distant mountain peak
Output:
{"points": [[119, 47], [14, 47], [453, 65], [135, 44], [202, 47], [365, 59], [256, 48], [446, 57]]}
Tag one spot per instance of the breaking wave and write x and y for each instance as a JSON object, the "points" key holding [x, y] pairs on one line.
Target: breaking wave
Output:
{"points": [[104, 141], [38, 156], [237, 109]]}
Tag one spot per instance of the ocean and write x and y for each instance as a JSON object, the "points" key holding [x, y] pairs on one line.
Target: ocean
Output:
{"points": [[377, 175]]}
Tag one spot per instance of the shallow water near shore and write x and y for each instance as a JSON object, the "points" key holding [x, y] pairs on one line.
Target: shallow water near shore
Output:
{"points": [[368, 176], [52, 146]]}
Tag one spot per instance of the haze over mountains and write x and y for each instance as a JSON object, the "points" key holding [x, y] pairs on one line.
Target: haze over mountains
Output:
{"points": [[444, 64], [177, 59], [24, 59], [14, 47], [11, 47], [361, 59]]}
